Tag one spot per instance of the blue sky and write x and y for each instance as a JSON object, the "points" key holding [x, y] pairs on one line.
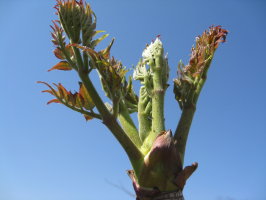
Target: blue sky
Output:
{"points": [[51, 153]]}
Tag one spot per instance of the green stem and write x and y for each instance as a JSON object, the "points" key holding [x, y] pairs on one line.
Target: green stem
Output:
{"points": [[158, 98], [182, 130], [66, 54], [94, 95], [116, 104], [91, 114], [183, 127], [86, 60], [131, 149], [128, 125], [78, 58]]}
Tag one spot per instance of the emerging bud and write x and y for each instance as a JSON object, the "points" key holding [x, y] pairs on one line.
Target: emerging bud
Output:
{"points": [[155, 49], [153, 55], [192, 76], [77, 19]]}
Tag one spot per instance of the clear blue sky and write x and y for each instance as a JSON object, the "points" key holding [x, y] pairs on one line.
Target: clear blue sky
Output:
{"points": [[51, 153]]}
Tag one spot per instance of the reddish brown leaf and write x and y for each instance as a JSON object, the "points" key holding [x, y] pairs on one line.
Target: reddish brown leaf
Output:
{"points": [[53, 101], [52, 89], [63, 65], [106, 52], [63, 93], [79, 100], [88, 103], [48, 91], [59, 54], [72, 99], [69, 50]]}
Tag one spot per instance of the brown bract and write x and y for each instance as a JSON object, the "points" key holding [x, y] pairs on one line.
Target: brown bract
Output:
{"points": [[163, 151]]}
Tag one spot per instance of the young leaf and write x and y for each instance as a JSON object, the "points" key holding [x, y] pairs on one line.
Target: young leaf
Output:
{"points": [[53, 101], [63, 65], [79, 101], [88, 103], [97, 41]]}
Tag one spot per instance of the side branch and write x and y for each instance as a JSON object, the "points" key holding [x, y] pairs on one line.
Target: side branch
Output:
{"points": [[191, 79], [182, 130], [128, 124], [131, 149], [84, 112]]}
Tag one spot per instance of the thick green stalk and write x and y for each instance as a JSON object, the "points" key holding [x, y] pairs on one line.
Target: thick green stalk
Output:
{"points": [[182, 130], [133, 153], [183, 127], [131, 149], [109, 120], [158, 98], [128, 125]]}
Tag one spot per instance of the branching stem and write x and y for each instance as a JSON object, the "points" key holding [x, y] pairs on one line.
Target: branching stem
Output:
{"points": [[128, 124], [182, 130], [131, 149]]}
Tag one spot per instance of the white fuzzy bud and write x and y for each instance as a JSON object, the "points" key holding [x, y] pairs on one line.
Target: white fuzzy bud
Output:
{"points": [[153, 50]]}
